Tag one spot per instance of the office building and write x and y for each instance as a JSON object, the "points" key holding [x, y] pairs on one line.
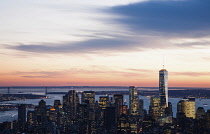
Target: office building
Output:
{"points": [[41, 113], [134, 109], [110, 120], [89, 97], [154, 108], [31, 118], [70, 105], [22, 116], [133, 101], [187, 106], [103, 102], [118, 101], [163, 87], [200, 113]]}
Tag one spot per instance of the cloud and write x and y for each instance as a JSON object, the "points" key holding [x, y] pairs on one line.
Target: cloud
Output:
{"points": [[93, 72], [152, 24], [40, 76], [171, 17], [206, 58], [139, 70], [191, 74], [88, 46]]}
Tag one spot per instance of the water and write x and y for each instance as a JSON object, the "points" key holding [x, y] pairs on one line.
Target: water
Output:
{"points": [[12, 115]]}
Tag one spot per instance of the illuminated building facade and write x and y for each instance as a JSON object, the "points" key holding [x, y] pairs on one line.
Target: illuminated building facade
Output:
{"points": [[134, 101], [70, 105], [103, 102], [134, 109], [118, 101], [163, 87], [154, 108], [89, 97], [187, 106]]}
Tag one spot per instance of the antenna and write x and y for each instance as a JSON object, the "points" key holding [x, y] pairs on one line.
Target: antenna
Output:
{"points": [[163, 62]]}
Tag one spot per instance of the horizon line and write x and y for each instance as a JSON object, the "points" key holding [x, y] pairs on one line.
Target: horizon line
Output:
{"points": [[96, 86]]}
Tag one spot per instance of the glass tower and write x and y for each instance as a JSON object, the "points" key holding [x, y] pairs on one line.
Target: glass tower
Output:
{"points": [[134, 109], [163, 87], [134, 101]]}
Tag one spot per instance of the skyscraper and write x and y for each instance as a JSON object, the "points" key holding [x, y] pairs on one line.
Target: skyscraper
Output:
{"points": [[41, 113], [110, 120], [22, 116], [154, 108], [134, 101], [118, 101], [89, 97], [134, 109], [70, 105], [163, 87]]}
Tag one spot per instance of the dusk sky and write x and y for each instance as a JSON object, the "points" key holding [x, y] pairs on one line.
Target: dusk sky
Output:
{"points": [[104, 42]]}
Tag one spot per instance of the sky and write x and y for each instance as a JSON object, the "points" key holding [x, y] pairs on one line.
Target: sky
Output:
{"points": [[104, 42]]}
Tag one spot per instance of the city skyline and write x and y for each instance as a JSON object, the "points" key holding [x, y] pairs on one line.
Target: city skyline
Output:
{"points": [[100, 43]]}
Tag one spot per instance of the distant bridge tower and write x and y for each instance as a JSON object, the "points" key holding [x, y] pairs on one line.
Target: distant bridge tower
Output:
{"points": [[8, 90], [45, 90]]}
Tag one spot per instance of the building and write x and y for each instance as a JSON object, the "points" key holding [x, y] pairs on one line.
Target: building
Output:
{"points": [[22, 116], [41, 113], [134, 109], [123, 125], [118, 101], [31, 118], [110, 120], [82, 117], [133, 101], [154, 108], [200, 113], [89, 97], [103, 102], [124, 109], [187, 106], [70, 105], [163, 87]]}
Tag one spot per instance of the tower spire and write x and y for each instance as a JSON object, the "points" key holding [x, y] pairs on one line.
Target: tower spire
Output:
{"points": [[163, 62]]}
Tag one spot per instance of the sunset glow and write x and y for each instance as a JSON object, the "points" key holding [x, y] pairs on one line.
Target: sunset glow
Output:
{"points": [[100, 43]]}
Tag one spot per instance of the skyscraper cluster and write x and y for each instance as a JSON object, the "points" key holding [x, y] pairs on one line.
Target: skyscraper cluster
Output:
{"points": [[82, 114]]}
